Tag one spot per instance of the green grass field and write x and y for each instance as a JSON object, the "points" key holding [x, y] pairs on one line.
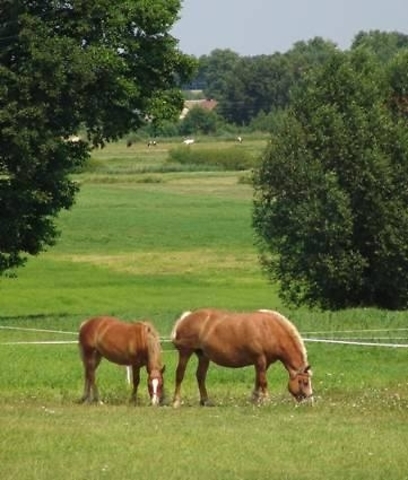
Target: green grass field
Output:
{"points": [[148, 241]]}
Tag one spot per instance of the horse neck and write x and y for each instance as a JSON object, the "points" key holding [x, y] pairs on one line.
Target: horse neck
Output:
{"points": [[294, 364], [293, 353]]}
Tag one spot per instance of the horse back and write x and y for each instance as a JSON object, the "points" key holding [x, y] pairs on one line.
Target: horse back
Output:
{"points": [[120, 342], [229, 338]]}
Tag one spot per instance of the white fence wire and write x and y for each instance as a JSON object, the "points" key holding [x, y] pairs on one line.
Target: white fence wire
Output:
{"points": [[374, 342], [354, 337]]}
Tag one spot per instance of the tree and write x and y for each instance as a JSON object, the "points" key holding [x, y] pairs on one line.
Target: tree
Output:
{"points": [[384, 45], [331, 203], [255, 84], [104, 66], [199, 120], [397, 78], [213, 69], [262, 83]]}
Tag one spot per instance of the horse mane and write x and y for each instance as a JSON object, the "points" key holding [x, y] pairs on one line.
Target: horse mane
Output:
{"points": [[292, 330], [153, 345]]}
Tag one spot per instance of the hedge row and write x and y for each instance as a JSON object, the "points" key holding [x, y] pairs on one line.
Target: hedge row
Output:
{"points": [[225, 159]]}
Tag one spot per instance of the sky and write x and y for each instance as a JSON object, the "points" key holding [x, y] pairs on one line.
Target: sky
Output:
{"points": [[255, 27]]}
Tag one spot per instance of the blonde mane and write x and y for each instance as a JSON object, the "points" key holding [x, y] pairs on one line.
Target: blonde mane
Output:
{"points": [[293, 331], [153, 346]]}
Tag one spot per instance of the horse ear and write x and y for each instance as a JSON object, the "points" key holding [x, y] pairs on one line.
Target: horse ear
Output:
{"points": [[308, 369]]}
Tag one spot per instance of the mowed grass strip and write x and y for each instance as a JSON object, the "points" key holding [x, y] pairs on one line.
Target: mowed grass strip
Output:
{"points": [[172, 262], [119, 442], [118, 218]]}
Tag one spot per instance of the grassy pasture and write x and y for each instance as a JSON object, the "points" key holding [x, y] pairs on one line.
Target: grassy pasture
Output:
{"points": [[146, 242]]}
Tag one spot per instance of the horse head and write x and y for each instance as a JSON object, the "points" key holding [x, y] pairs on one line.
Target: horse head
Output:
{"points": [[300, 384], [155, 385]]}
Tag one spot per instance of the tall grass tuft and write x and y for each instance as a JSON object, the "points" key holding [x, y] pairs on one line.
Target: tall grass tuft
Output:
{"points": [[224, 159]]}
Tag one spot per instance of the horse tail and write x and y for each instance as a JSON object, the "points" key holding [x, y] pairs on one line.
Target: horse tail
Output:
{"points": [[173, 335], [80, 338], [87, 335]]}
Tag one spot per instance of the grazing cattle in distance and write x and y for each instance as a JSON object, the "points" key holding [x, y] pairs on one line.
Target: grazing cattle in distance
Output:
{"points": [[188, 141], [151, 143]]}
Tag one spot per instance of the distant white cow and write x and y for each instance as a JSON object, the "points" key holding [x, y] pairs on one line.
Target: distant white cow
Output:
{"points": [[188, 141], [239, 139], [151, 143]]}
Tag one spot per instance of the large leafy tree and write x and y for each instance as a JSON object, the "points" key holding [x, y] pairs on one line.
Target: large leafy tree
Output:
{"points": [[104, 66], [331, 197]]}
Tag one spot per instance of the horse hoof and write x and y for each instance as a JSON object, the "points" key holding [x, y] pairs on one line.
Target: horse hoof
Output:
{"points": [[207, 403], [259, 398], [176, 404], [87, 401]]}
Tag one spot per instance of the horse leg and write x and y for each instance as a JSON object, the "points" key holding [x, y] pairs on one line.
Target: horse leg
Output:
{"points": [[91, 359], [97, 360], [201, 375], [184, 357], [136, 381], [85, 355], [261, 384]]}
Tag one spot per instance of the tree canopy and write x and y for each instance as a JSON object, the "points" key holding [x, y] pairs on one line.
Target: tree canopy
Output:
{"points": [[383, 45], [102, 66], [331, 203], [246, 87]]}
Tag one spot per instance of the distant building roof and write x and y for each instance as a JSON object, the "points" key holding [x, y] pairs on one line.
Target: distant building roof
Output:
{"points": [[206, 104]]}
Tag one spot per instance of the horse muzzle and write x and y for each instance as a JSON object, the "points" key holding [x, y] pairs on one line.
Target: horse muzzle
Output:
{"points": [[302, 398]]}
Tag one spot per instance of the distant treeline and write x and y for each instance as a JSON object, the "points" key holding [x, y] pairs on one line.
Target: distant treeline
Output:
{"points": [[252, 91]]}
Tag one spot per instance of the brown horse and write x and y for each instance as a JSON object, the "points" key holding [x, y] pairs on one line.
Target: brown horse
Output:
{"points": [[136, 344], [238, 340]]}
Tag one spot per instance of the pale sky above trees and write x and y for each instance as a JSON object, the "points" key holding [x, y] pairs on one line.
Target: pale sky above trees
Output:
{"points": [[254, 27]]}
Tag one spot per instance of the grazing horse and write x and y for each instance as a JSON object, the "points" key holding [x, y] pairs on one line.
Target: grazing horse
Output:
{"points": [[237, 340], [135, 344]]}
